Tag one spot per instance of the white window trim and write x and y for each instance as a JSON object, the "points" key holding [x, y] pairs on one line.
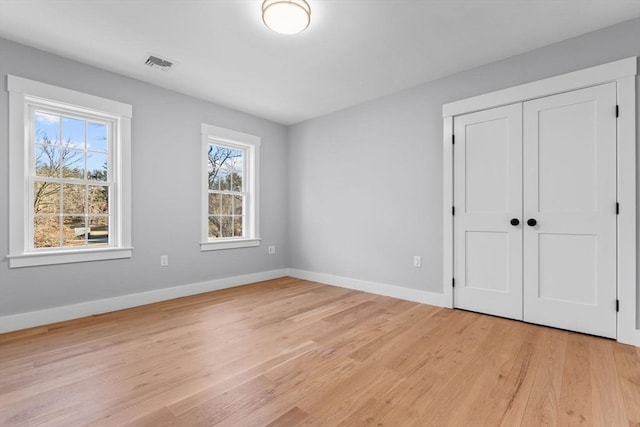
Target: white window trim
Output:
{"points": [[624, 73], [213, 134], [23, 91]]}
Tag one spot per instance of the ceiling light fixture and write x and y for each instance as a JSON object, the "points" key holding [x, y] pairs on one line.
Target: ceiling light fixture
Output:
{"points": [[286, 16]]}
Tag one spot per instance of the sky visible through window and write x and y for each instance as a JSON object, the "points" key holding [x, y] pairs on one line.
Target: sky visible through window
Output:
{"points": [[70, 185], [226, 192], [70, 132]]}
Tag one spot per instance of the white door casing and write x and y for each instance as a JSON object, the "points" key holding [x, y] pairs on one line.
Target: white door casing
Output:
{"points": [[487, 195], [556, 156], [624, 74], [570, 190]]}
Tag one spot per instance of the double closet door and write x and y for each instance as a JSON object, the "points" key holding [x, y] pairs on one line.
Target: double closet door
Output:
{"points": [[535, 211]]}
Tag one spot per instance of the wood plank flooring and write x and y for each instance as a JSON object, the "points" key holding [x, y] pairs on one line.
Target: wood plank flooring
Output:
{"points": [[289, 352]]}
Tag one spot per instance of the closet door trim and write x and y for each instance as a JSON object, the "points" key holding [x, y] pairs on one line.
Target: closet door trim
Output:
{"points": [[623, 72]]}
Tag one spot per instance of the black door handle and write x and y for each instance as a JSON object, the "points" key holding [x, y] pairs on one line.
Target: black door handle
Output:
{"points": [[531, 222], [515, 222]]}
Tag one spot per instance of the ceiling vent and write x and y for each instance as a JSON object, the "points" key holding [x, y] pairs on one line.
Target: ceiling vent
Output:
{"points": [[159, 63]]}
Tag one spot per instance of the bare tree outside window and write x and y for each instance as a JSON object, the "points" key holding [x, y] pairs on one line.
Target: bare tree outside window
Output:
{"points": [[69, 191], [226, 191]]}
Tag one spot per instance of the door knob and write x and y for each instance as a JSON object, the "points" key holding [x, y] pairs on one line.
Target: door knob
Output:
{"points": [[531, 222], [515, 222]]}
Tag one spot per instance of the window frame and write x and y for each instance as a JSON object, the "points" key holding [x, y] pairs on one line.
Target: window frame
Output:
{"points": [[250, 145], [25, 97]]}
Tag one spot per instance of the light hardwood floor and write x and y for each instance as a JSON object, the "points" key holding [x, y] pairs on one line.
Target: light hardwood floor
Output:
{"points": [[289, 352]]}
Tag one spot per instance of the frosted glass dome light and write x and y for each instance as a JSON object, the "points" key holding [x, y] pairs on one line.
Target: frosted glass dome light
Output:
{"points": [[286, 16]]}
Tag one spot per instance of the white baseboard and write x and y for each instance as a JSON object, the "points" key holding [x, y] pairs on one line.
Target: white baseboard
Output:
{"points": [[30, 319], [415, 295], [630, 336]]}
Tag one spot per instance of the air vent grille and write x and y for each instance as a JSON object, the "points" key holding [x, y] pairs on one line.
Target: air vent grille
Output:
{"points": [[159, 63]]}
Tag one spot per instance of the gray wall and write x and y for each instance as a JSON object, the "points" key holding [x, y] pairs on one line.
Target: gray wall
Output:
{"points": [[367, 193], [166, 191], [363, 186]]}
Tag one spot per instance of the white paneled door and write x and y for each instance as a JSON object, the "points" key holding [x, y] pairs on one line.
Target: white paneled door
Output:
{"points": [[487, 196], [570, 193], [535, 219]]}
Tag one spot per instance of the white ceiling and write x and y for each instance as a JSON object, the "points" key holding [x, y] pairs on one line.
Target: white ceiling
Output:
{"points": [[354, 50]]}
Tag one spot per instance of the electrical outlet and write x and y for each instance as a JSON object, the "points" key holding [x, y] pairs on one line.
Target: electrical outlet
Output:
{"points": [[164, 260], [271, 250], [417, 261]]}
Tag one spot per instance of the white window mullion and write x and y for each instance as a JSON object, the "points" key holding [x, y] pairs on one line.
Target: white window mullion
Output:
{"points": [[85, 150], [61, 219], [86, 212], [246, 177]]}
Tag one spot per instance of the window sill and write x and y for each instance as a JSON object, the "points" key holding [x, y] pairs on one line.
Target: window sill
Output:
{"points": [[33, 259], [213, 245]]}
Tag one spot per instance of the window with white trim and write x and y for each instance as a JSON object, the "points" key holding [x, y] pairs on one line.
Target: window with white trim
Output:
{"points": [[230, 189], [69, 179]]}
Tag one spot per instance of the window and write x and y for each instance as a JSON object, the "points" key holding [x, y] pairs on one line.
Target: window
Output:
{"points": [[69, 178], [230, 190]]}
